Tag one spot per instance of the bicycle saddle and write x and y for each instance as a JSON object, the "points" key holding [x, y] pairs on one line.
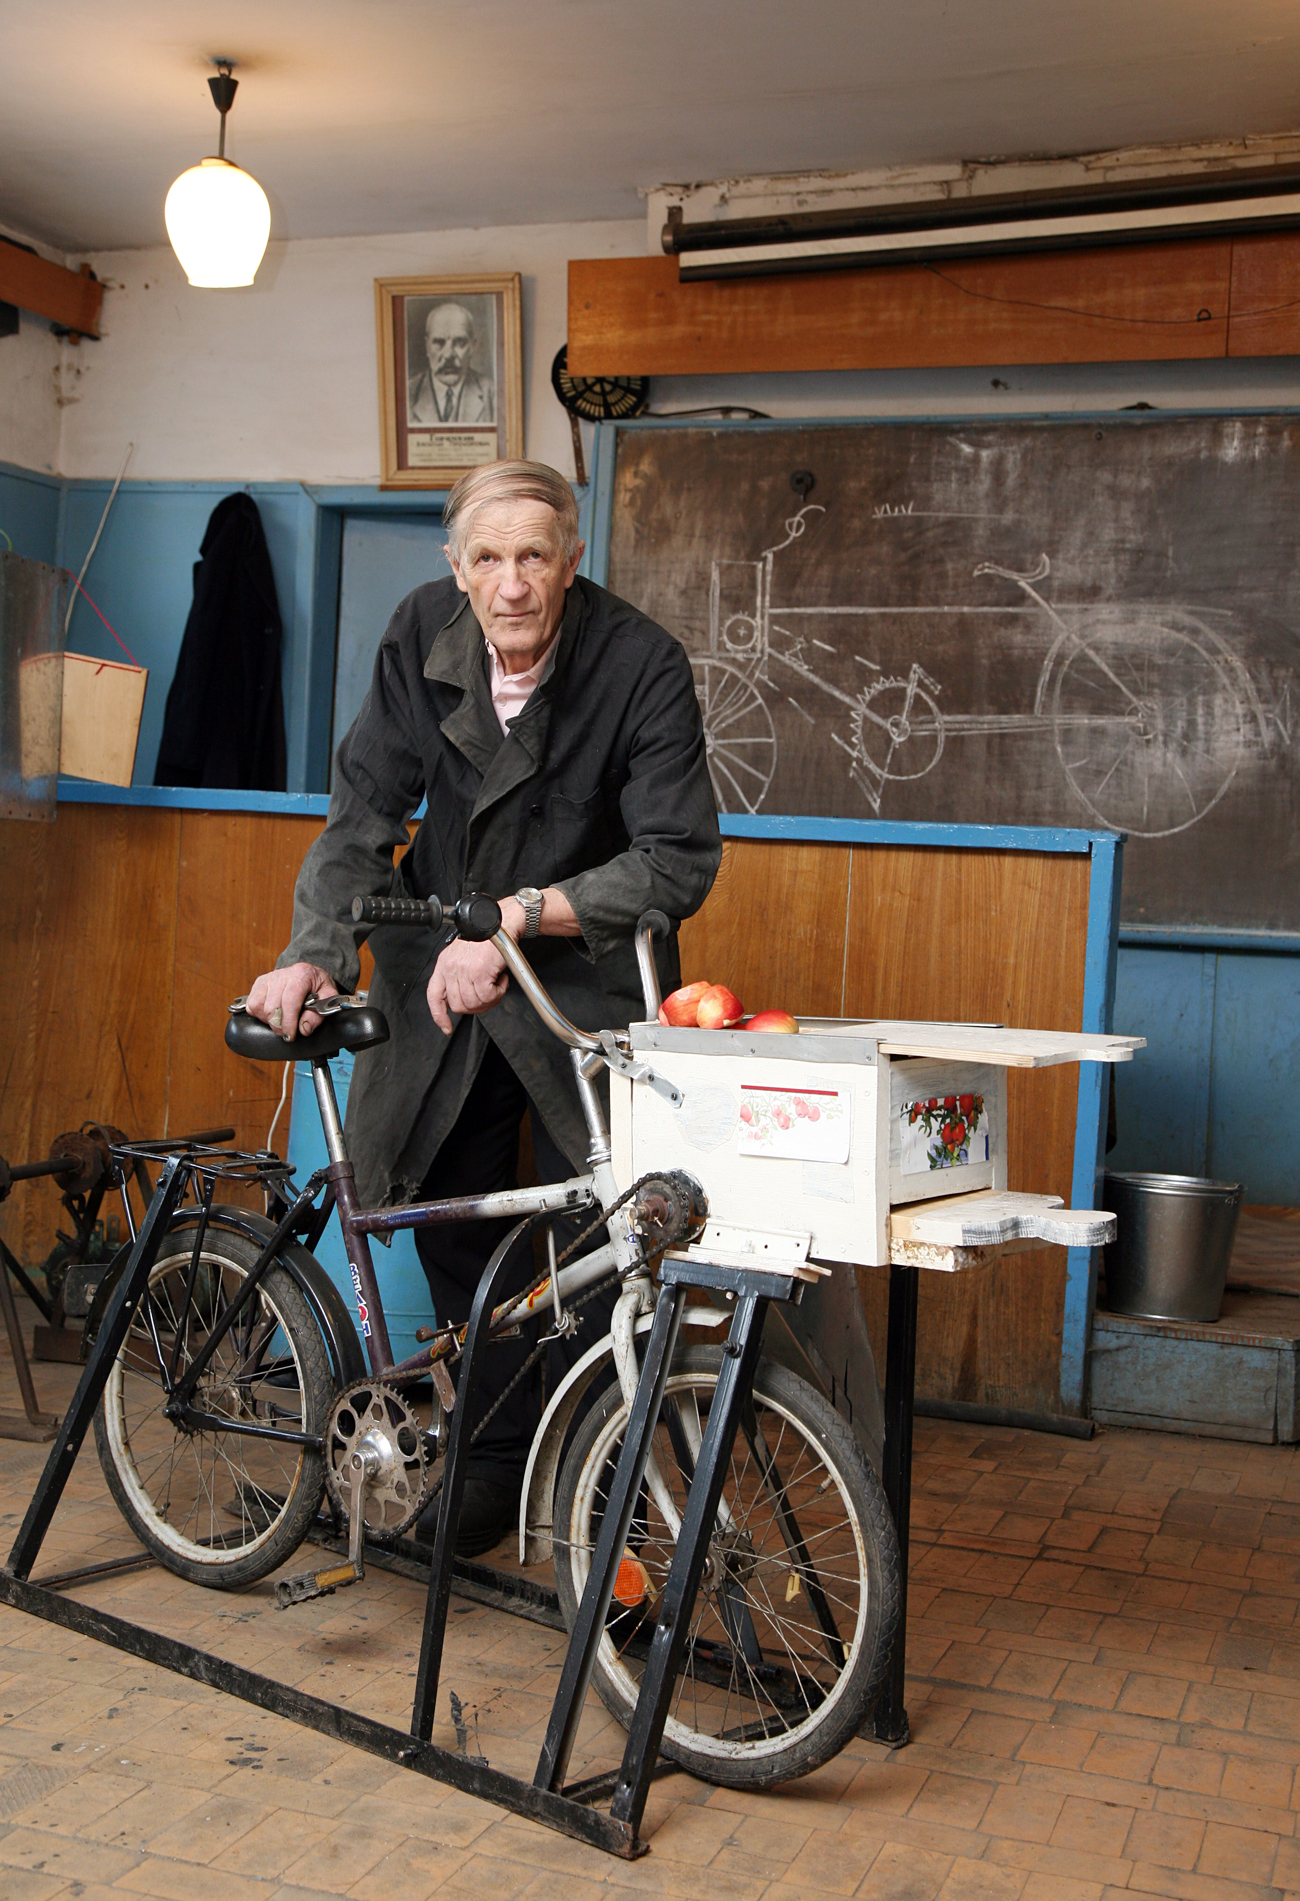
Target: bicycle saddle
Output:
{"points": [[344, 1030]]}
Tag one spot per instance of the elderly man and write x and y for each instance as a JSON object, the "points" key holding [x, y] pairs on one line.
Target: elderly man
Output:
{"points": [[451, 389], [555, 733]]}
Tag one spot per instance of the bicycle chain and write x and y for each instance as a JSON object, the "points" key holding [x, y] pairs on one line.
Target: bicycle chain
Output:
{"points": [[677, 1177], [645, 1256]]}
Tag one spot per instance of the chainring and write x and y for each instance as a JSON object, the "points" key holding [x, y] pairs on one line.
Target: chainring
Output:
{"points": [[669, 1209], [377, 1418]]}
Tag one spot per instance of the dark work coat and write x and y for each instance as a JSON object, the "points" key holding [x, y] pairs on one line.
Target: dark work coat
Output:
{"points": [[224, 724], [600, 788]]}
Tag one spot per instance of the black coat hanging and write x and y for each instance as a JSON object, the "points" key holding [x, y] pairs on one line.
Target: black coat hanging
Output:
{"points": [[224, 724]]}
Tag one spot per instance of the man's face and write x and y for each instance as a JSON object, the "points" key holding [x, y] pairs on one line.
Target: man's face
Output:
{"points": [[514, 570], [448, 340]]}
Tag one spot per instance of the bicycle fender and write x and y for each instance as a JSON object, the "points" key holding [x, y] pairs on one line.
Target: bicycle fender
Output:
{"points": [[329, 1309], [537, 1497]]}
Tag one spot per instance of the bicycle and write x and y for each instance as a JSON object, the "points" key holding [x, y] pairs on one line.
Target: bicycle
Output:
{"points": [[238, 1394]]}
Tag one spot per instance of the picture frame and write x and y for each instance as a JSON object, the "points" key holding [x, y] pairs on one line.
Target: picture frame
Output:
{"points": [[451, 381]]}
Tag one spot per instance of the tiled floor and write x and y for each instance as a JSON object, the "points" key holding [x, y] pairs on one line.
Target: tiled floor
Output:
{"points": [[1104, 1691]]}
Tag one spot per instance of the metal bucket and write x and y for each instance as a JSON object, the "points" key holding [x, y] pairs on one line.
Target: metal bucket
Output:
{"points": [[1169, 1259]]}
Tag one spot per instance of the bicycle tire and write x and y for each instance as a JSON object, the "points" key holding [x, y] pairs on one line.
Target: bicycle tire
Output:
{"points": [[839, 1507], [218, 1508]]}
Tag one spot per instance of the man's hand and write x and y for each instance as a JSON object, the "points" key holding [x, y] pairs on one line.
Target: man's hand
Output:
{"points": [[467, 980], [471, 978], [277, 998]]}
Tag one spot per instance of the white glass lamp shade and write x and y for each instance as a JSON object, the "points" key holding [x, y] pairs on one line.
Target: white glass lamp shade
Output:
{"points": [[218, 220]]}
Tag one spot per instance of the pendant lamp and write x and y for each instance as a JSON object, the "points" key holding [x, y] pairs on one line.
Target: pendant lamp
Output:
{"points": [[218, 218]]}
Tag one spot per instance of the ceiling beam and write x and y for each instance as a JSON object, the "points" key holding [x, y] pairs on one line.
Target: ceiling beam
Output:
{"points": [[70, 298]]}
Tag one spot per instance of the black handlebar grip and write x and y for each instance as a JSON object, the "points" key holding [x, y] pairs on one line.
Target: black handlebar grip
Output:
{"points": [[426, 911], [655, 922]]}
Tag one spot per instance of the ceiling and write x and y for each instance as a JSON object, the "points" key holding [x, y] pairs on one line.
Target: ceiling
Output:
{"points": [[368, 116]]}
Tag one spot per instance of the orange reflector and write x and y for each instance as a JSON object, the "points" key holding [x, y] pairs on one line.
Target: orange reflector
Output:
{"points": [[632, 1584]]}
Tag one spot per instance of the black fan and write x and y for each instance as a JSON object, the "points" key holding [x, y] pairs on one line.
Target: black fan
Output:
{"points": [[595, 399]]}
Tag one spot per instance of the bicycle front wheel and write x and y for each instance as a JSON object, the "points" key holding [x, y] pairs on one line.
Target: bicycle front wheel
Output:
{"points": [[216, 1505], [791, 1630]]}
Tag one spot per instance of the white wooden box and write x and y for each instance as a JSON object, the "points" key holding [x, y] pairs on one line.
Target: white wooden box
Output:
{"points": [[835, 1174], [843, 1205]]}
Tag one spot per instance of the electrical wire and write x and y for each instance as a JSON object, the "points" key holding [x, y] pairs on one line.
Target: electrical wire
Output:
{"points": [[72, 602], [279, 1108]]}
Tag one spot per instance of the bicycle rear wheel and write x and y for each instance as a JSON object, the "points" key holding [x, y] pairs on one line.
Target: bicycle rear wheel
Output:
{"points": [[791, 1630], [218, 1507]]}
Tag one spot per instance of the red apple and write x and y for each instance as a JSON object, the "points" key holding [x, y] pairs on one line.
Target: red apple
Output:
{"points": [[677, 1011], [774, 1020], [719, 1008]]}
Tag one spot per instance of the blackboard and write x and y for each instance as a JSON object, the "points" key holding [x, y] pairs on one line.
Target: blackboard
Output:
{"points": [[1029, 622]]}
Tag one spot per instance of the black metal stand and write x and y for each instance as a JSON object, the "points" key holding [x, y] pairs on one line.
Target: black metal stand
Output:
{"points": [[900, 1390], [76, 1421], [546, 1798]]}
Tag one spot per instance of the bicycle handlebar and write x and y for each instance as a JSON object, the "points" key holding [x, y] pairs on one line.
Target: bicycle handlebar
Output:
{"points": [[397, 911], [474, 918], [478, 920]]}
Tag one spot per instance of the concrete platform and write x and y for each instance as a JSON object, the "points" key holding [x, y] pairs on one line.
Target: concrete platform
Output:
{"points": [[1238, 1378]]}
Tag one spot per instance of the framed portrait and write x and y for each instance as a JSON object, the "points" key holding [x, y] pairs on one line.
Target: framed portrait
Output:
{"points": [[451, 386]]}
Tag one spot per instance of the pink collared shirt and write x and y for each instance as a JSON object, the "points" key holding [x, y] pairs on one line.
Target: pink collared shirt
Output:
{"points": [[511, 692]]}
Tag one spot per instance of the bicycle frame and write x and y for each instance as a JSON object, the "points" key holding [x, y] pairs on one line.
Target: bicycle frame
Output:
{"points": [[582, 1191], [597, 1188]]}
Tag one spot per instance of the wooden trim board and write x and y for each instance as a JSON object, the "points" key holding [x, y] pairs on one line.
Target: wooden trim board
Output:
{"points": [[71, 298], [1180, 299]]}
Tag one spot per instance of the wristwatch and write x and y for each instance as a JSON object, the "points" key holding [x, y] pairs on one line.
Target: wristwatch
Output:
{"points": [[531, 898]]}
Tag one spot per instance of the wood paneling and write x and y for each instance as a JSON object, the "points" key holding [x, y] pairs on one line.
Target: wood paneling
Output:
{"points": [[979, 937], [127, 931], [949, 935], [87, 933], [1264, 314], [773, 927], [998, 938], [234, 912], [633, 316]]}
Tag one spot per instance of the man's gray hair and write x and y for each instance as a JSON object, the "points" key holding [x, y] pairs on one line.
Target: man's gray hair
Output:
{"points": [[516, 481]]}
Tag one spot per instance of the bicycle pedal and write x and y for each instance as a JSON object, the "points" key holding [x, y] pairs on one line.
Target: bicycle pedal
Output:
{"points": [[311, 1584]]}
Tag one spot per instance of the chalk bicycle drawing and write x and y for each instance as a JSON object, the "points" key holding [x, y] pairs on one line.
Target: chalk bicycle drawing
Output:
{"points": [[1150, 710], [239, 1400]]}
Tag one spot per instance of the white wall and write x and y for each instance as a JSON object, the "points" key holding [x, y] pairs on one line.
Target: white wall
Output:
{"points": [[30, 386], [29, 409], [278, 382]]}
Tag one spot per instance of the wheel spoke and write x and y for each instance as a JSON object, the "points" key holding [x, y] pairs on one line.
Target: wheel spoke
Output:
{"points": [[207, 1499], [780, 1618]]}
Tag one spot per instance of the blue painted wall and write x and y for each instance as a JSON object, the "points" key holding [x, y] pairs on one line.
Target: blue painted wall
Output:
{"points": [[142, 581], [29, 512], [1209, 1094], [142, 578]]}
